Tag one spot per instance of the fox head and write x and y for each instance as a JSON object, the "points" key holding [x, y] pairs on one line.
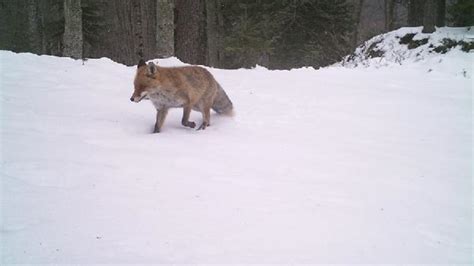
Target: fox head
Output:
{"points": [[143, 80]]}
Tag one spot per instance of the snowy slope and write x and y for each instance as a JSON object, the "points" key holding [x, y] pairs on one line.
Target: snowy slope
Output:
{"points": [[444, 50], [337, 165]]}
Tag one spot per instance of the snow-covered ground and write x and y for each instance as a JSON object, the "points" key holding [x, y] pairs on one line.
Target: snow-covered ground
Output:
{"points": [[420, 47], [337, 165]]}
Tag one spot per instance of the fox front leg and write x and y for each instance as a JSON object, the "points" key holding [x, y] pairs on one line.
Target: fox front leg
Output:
{"points": [[160, 119], [185, 121]]}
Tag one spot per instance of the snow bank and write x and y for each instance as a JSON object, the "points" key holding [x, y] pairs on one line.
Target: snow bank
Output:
{"points": [[445, 50], [337, 165]]}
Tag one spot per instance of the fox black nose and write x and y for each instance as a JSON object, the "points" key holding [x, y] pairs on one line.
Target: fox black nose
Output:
{"points": [[131, 99]]}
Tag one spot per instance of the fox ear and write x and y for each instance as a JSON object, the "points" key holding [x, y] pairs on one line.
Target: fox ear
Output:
{"points": [[151, 69], [141, 63]]}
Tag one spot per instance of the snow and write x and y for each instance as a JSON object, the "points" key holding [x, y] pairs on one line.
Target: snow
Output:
{"points": [[336, 165], [395, 54]]}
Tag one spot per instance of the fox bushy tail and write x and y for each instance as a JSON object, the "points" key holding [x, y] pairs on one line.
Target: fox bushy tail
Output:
{"points": [[222, 103]]}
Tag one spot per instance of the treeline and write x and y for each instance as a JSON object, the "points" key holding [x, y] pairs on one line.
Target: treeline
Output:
{"points": [[221, 33]]}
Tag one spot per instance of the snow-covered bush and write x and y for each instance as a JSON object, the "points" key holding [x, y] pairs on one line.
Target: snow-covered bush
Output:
{"points": [[409, 45]]}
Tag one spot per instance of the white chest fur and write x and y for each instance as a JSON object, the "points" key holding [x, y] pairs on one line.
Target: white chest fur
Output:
{"points": [[161, 98]]}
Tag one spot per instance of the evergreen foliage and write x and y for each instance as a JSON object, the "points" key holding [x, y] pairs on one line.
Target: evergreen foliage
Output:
{"points": [[286, 33], [92, 20], [462, 13], [12, 24]]}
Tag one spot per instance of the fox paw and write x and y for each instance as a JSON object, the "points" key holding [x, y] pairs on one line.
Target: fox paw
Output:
{"points": [[203, 126], [189, 124]]}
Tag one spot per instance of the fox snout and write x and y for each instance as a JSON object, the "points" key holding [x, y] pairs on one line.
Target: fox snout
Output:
{"points": [[135, 98], [138, 97]]}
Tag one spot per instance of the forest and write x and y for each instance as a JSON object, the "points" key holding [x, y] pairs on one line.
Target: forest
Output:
{"points": [[280, 34]]}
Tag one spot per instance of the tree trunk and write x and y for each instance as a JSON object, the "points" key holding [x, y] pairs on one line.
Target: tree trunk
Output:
{"points": [[42, 24], [358, 13], [72, 39], [165, 28], [220, 32], [441, 14], [449, 18], [142, 42], [429, 17], [33, 29], [415, 12], [389, 7], [137, 22], [190, 31], [213, 32], [400, 14]]}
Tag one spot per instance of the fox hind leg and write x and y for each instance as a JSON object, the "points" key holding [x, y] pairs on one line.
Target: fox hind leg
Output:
{"points": [[206, 118]]}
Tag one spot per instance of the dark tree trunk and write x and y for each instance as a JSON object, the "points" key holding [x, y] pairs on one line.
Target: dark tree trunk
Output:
{"points": [[42, 25], [389, 8], [415, 12], [165, 28], [400, 14], [34, 27], [72, 38], [212, 32], [441, 14], [429, 16], [137, 25], [358, 12], [190, 31]]}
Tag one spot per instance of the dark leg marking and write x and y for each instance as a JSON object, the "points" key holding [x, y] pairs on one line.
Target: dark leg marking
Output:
{"points": [[185, 121]]}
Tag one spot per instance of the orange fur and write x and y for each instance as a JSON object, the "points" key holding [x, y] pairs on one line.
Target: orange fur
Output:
{"points": [[190, 87]]}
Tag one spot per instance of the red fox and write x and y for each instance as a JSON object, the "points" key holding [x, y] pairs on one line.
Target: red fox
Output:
{"points": [[189, 87]]}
